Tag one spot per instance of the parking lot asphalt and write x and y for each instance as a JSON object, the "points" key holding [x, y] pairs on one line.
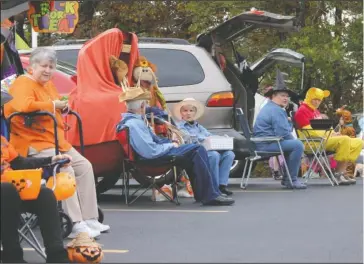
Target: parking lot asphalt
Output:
{"points": [[266, 224]]}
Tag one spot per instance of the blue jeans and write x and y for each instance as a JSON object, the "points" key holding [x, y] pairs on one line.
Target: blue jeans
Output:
{"points": [[293, 150], [220, 164], [193, 158]]}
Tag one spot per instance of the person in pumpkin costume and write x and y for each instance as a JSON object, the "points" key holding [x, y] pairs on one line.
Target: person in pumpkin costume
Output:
{"points": [[45, 206], [346, 149]]}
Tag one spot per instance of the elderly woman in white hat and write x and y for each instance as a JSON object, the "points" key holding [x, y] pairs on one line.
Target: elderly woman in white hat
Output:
{"points": [[187, 112]]}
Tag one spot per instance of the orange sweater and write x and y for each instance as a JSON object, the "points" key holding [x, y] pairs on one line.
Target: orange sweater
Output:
{"points": [[29, 96]]}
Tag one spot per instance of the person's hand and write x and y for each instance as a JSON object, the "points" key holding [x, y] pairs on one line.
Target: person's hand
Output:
{"points": [[61, 157], [58, 104], [175, 144], [335, 134]]}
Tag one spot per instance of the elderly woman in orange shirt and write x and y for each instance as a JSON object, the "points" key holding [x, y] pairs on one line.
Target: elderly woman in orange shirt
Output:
{"points": [[35, 91]]}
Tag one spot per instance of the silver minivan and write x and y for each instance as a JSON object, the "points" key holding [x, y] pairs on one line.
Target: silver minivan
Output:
{"points": [[189, 70]]}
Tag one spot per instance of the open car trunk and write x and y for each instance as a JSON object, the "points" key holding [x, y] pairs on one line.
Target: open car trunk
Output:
{"points": [[244, 84]]}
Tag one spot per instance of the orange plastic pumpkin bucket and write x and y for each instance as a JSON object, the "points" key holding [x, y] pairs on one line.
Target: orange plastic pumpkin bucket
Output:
{"points": [[27, 182], [65, 185]]}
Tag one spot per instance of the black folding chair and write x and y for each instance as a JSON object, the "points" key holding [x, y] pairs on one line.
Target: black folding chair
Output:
{"points": [[150, 174], [256, 155]]}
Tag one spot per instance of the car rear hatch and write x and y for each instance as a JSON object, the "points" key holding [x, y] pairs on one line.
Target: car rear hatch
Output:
{"points": [[231, 31], [277, 56], [240, 25]]}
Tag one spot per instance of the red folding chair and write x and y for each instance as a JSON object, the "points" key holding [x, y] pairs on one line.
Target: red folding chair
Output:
{"points": [[152, 173]]}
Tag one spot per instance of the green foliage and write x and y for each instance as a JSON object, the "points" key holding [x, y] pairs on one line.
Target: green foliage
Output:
{"points": [[331, 37]]}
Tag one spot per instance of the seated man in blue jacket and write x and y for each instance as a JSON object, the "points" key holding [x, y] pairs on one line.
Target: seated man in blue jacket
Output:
{"points": [[272, 121], [191, 157]]}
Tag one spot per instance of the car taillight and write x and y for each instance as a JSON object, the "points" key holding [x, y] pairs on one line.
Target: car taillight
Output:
{"points": [[256, 12], [74, 78], [222, 99]]}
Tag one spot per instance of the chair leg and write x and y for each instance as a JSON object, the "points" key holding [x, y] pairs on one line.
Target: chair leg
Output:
{"points": [[242, 186], [143, 192], [249, 172], [125, 184], [285, 164], [175, 186]]}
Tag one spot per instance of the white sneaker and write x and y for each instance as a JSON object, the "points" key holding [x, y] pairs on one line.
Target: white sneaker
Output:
{"points": [[93, 224], [83, 227]]}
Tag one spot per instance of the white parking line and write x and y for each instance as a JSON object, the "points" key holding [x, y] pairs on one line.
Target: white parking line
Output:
{"points": [[264, 191], [117, 251], [163, 210]]}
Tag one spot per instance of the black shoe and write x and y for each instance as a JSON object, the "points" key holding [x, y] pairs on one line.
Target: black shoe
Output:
{"points": [[220, 200], [60, 256], [225, 190], [12, 257]]}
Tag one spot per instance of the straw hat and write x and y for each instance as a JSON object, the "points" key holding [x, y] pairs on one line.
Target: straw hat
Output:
{"points": [[176, 111], [83, 240], [134, 94]]}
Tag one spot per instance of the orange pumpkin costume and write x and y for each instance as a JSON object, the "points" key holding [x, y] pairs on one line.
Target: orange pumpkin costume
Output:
{"points": [[29, 96]]}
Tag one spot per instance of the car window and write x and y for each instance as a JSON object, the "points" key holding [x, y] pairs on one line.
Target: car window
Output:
{"points": [[69, 56], [175, 67]]}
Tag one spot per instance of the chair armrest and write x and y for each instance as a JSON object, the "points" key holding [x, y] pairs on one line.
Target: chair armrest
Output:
{"points": [[265, 139]]}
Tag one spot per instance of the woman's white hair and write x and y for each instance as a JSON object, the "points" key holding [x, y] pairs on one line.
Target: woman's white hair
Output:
{"points": [[134, 106], [41, 54]]}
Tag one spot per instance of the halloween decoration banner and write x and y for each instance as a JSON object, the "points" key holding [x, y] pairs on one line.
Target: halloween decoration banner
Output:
{"points": [[53, 16]]}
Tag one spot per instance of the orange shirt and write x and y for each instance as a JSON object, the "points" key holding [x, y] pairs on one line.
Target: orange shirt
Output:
{"points": [[8, 154], [29, 96]]}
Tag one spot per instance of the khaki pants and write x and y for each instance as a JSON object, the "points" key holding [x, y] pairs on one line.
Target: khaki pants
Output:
{"points": [[83, 204]]}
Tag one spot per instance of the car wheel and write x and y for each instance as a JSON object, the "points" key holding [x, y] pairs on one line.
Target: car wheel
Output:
{"points": [[236, 170]]}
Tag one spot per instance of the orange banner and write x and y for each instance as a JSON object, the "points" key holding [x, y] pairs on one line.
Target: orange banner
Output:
{"points": [[53, 16]]}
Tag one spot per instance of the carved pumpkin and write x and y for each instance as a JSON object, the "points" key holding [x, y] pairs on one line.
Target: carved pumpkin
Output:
{"points": [[85, 254], [65, 185], [84, 249], [27, 182]]}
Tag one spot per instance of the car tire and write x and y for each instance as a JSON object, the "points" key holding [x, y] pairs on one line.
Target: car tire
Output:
{"points": [[237, 169]]}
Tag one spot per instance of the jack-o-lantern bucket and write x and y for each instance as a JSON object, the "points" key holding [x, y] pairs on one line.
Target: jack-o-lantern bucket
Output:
{"points": [[65, 185], [84, 249], [27, 182]]}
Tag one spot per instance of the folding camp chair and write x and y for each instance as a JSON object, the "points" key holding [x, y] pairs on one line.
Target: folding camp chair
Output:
{"points": [[256, 155], [29, 221], [29, 120], [317, 152], [153, 173]]}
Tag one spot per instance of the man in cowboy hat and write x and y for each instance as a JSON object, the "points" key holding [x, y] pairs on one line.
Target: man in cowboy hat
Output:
{"points": [[191, 157], [273, 121]]}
